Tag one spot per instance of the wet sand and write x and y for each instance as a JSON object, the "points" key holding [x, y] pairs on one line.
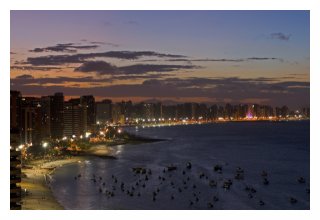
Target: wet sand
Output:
{"points": [[39, 196]]}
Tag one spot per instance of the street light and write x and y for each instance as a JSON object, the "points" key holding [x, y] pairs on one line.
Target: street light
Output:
{"points": [[21, 146], [87, 134], [45, 145]]}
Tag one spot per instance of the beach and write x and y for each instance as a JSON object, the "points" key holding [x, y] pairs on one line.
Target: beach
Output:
{"points": [[39, 195], [35, 185]]}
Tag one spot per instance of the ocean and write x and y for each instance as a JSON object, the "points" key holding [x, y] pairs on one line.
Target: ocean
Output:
{"points": [[264, 165]]}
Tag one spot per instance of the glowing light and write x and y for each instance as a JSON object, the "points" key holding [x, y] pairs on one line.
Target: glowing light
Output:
{"points": [[88, 134], [98, 122], [21, 146], [73, 136], [45, 144], [119, 131], [64, 138], [101, 133], [249, 115], [81, 136]]}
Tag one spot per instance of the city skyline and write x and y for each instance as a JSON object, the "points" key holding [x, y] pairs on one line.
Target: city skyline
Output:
{"points": [[182, 56], [36, 119]]}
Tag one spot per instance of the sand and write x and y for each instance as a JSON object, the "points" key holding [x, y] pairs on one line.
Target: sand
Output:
{"points": [[39, 196]]}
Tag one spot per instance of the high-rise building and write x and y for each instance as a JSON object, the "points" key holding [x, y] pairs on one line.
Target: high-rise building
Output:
{"points": [[158, 113], [45, 117], [126, 109], [15, 118], [88, 112], [149, 110], [56, 115], [228, 111], [169, 111], [117, 115], [104, 111], [213, 112], [15, 108], [31, 120], [72, 118]]}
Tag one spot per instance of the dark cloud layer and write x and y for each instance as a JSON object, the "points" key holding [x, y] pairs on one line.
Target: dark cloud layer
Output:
{"points": [[104, 68], [68, 47], [234, 89], [80, 58], [29, 79], [41, 68], [100, 67]]}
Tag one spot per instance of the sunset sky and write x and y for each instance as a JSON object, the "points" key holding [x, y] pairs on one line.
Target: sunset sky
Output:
{"points": [[197, 56]]}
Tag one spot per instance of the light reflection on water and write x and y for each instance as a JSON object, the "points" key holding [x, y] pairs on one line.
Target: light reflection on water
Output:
{"points": [[280, 148]]}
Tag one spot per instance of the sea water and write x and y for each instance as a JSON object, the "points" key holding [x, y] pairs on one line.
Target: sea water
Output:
{"points": [[281, 149]]}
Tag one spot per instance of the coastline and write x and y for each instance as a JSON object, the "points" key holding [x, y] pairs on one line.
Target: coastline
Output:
{"points": [[39, 195]]}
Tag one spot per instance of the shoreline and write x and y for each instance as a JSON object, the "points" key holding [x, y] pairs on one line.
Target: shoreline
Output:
{"points": [[39, 195]]}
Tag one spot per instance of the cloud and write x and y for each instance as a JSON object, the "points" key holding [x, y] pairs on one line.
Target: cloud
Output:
{"points": [[80, 58], [280, 36], [146, 68], [224, 59], [262, 58], [105, 43], [25, 76], [29, 79], [100, 67], [233, 89], [144, 77], [103, 68], [67, 47], [41, 68]]}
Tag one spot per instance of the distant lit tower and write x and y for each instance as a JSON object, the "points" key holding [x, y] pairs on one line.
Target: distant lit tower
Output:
{"points": [[250, 112]]}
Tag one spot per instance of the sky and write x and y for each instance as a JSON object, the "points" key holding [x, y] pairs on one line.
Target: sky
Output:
{"points": [[174, 56]]}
